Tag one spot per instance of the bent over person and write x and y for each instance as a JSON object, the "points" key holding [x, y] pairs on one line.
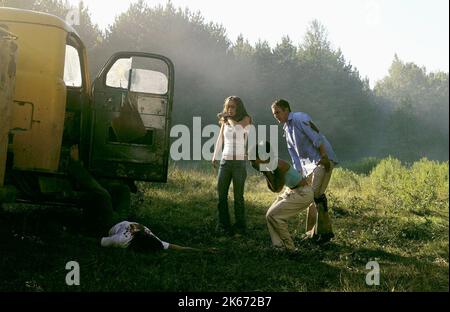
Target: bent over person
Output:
{"points": [[297, 196]]}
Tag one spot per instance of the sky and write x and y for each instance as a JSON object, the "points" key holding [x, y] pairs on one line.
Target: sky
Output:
{"points": [[369, 32]]}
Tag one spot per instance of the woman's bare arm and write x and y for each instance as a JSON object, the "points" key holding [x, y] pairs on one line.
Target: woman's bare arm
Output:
{"points": [[183, 248], [218, 147]]}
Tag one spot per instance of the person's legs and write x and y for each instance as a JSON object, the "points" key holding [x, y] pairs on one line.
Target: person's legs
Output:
{"points": [[318, 220], [287, 205], [223, 184], [322, 182], [239, 177], [94, 200], [272, 224], [311, 218], [97, 210], [324, 225], [120, 194]]}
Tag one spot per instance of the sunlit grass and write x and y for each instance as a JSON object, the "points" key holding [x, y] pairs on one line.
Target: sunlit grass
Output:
{"points": [[394, 214]]}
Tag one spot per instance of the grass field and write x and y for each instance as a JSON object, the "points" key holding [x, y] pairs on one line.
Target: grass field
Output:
{"points": [[382, 210]]}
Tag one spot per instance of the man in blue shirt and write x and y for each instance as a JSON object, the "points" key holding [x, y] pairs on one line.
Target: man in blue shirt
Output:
{"points": [[313, 156]]}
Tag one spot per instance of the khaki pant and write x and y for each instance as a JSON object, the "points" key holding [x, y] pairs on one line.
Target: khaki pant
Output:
{"points": [[317, 220], [286, 206]]}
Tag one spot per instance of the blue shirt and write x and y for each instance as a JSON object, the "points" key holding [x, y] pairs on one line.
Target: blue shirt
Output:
{"points": [[303, 143]]}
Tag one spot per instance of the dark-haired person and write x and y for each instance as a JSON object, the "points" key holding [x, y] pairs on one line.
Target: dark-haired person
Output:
{"points": [[234, 121], [313, 155], [297, 196], [138, 237]]}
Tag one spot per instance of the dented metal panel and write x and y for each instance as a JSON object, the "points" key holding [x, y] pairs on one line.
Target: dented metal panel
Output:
{"points": [[131, 129]]}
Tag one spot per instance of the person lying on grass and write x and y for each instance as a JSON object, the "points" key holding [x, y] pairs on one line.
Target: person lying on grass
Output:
{"points": [[138, 237]]}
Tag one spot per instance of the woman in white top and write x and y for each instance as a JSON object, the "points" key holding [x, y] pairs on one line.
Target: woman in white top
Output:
{"points": [[233, 120]]}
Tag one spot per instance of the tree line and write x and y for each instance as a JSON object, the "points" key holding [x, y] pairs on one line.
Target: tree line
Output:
{"points": [[405, 115]]}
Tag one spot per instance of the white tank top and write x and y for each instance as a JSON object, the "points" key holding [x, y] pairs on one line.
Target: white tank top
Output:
{"points": [[234, 142]]}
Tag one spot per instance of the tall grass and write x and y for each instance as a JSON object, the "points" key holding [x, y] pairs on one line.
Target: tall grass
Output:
{"points": [[394, 213]]}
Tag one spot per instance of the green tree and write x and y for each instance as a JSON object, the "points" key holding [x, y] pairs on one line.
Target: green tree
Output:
{"points": [[242, 49], [427, 97], [332, 92], [199, 50]]}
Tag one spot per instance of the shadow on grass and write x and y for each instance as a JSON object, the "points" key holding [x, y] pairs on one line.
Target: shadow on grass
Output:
{"points": [[37, 243]]}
